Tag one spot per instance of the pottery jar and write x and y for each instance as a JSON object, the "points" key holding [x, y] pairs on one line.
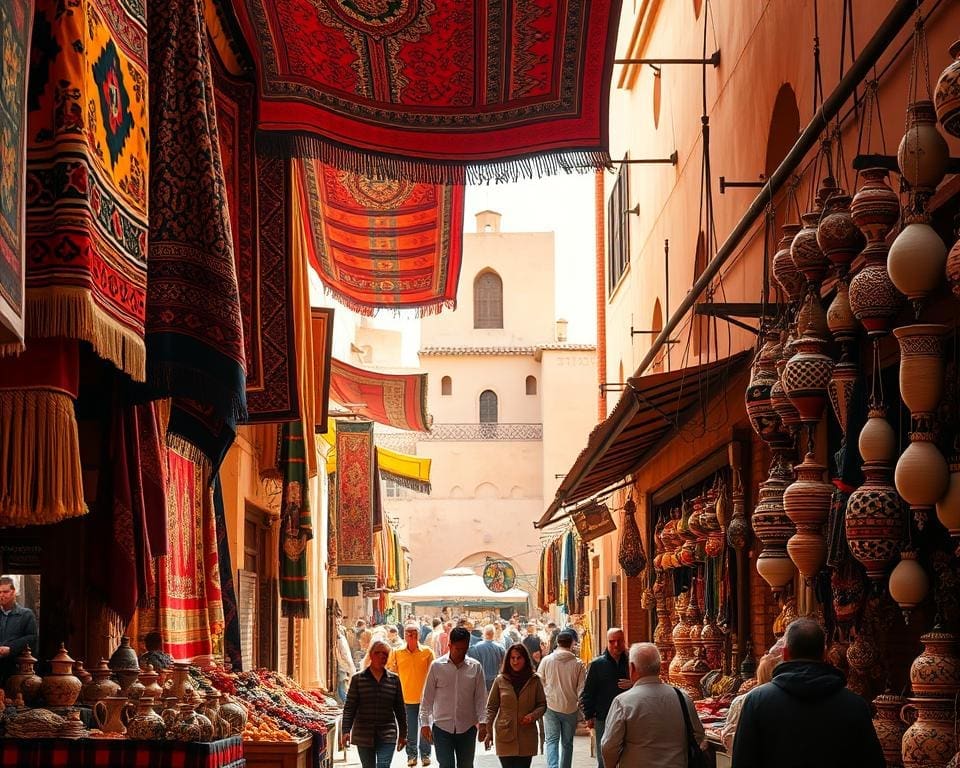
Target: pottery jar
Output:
{"points": [[953, 269], [889, 727], [840, 320], [210, 708], [921, 476], [917, 260], [874, 299], [908, 583], [806, 501], [787, 411], [936, 671], [784, 270], [808, 551], [875, 207], [25, 680], [922, 154], [776, 568], [149, 679], [146, 724], [235, 713], [874, 522], [921, 365], [948, 508], [763, 375], [946, 95], [83, 675], [61, 687], [187, 725], [805, 251], [124, 664], [169, 711], [837, 235], [840, 390], [179, 684], [207, 730], [878, 441], [109, 714], [100, 686], [930, 740]]}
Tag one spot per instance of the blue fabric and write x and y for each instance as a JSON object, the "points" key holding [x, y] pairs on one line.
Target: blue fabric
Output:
{"points": [[455, 750], [490, 655], [376, 757], [558, 730], [413, 732]]}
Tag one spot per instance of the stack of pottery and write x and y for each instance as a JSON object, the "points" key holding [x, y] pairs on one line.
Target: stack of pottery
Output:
{"points": [[681, 641], [101, 686], [806, 501], [61, 687], [124, 665], [711, 637], [25, 680], [772, 526], [694, 619], [889, 727], [935, 681]]}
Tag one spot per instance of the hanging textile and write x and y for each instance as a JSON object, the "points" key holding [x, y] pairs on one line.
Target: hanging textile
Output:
{"points": [[395, 400], [354, 491], [194, 327], [321, 327], [41, 480], [383, 243], [332, 526], [377, 505], [231, 615], [87, 168], [296, 529], [16, 22], [426, 90]]}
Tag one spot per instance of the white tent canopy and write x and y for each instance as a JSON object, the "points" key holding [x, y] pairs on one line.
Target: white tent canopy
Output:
{"points": [[460, 586]]}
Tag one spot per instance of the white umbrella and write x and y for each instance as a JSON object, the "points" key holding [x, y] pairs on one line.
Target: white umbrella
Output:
{"points": [[460, 586]]}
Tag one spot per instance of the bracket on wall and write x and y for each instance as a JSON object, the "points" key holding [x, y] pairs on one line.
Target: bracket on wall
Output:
{"points": [[731, 311], [672, 160], [613, 386], [713, 60], [725, 185]]}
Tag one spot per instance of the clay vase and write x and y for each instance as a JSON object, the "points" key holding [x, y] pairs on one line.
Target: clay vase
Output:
{"points": [[186, 727], [807, 373], [61, 687], [922, 154], [763, 376], [917, 259], [210, 708], [921, 365], [234, 713], [806, 501], [151, 687], [953, 269], [840, 390], [124, 664], [772, 526], [838, 237], [169, 711], [179, 684], [922, 476], [936, 671], [875, 207], [878, 442], [874, 299], [889, 727], [948, 508], [146, 724], [206, 726], [84, 676], [930, 740], [786, 410], [25, 681], [908, 583], [738, 529], [784, 270], [805, 251], [109, 714], [840, 320], [711, 637], [946, 95], [101, 686], [874, 521]]}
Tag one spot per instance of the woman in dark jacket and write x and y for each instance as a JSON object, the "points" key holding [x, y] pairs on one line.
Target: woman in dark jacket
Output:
{"points": [[374, 718], [515, 703]]}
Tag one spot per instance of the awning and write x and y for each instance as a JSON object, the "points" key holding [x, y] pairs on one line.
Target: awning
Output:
{"points": [[459, 586], [650, 408]]}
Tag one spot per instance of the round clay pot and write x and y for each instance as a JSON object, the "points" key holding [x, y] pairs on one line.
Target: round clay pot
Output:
{"points": [[908, 583], [146, 724], [874, 299], [776, 568], [953, 269], [948, 508], [889, 727], [806, 501], [61, 687], [946, 96], [763, 376], [917, 260], [784, 270], [25, 681], [101, 686], [840, 320], [805, 251], [806, 376], [838, 237], [151, 687], [921, 365], [922, 154], [878, 441], [922, 475], [936, 671], [874, 522], [875, 207], [769, 521], [808, 550], [930, 740], [186, 727]]}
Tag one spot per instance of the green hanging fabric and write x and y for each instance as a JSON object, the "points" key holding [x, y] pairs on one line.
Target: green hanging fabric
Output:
{"points": [[295, 526]]}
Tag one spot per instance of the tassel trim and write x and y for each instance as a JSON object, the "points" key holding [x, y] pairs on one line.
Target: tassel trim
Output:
{"points": [[188, 450], [290, 609], [41, 480], [407, 482], [361, 308], [72, 313], [12, 349], [377, 165]]}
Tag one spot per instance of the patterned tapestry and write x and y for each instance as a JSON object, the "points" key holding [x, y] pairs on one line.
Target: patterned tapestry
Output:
{"points": [[296, 529], [354, 490], [379, 243], [16, 21], [87, 169], [436, 91], [396, 400], [194, 328], [321, 326], [189, 611]]}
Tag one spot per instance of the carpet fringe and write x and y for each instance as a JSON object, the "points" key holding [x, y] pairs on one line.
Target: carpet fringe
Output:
{"points": [[72, 313], [12, 349], [427, 310], [41, 480], [171, 378], [418, 486], [382, 166]]}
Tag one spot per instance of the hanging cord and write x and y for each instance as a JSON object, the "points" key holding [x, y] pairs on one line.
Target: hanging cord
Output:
{"points": [[871, 107], [817, 70], [919, 67]]}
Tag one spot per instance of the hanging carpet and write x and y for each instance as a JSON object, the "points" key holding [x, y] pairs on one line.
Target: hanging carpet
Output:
{"points": [[435, 91], [296, 529], [16, 22], [194, 327], [411, 472], [354, 489], [86, 185], [321, 326], [395, 400], [383, 243]]}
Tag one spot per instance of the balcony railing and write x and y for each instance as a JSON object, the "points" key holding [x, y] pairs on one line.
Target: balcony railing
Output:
{"points": [[484, 432]]}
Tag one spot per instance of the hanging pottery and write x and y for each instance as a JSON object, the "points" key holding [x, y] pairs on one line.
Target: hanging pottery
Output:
{"points": [[763, 376], [631, 556], [772, 527], [875, 207], [921, 365], [946, 96], [948, 508], [786, 410], [878, 442], [785, 272], [806, 501], [953, 269], [840, 320], [908, 583], [805, 251], [838, 237], [923, 153], [807, 373], [874, 521], [922, 476], [842, 384], [738, 529], [917, 259]]}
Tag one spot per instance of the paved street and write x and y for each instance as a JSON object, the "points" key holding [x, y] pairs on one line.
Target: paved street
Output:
{"points": [[581, 757]]}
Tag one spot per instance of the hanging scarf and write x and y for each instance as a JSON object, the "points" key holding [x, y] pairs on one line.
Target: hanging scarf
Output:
{"points": [[296, 529]]}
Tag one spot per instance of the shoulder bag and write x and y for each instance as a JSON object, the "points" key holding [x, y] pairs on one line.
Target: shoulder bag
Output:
{"points": [[696, 758]]}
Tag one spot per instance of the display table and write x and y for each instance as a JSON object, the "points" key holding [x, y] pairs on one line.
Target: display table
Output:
{"points": [[279, 754], [121, 753]]}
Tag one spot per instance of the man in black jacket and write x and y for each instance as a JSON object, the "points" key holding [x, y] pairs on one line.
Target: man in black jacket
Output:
{"points": [[805, 717], [18, 628], [607, 677]]}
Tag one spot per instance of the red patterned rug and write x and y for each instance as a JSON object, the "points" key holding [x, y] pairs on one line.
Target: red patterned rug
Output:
{"points": [[395, 400], [16, 21], [383, 243], [426, 90], [354, 502]]}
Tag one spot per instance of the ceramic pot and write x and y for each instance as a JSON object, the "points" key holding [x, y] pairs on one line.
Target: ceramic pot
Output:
{"points": [[922, 154], [784, 270], [81, 673], [109, 714], [179, 684], [908, 583], [936, 671], [889, 727], [186, 727], [948, 508], [917, 260], [874, 522], [946, 96], [922, 475], [838, 237], [124, 664], [930, 740], [805, 251], [776, 568], [786, 410], [61, 687], [234, 714], [952, 269], [711, 637], [806, 501], [840, 390], [921, 365], [146, 724], [25, 681], [101, 686], [763, 376], [210, 708], [150, 682], [169, 711], [206, 727], [878, 442], [808, 551], [805, 378], [875, 207], [840, 320], [874, 299]]}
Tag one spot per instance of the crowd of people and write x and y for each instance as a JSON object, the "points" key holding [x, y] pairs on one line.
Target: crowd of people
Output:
{"points": [[445, 686]]}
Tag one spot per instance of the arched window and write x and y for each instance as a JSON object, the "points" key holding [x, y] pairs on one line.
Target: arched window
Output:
{"points": [[488, 407], [531, 385], [656, 326], [784, 128], [446, 386], [488, 301]]}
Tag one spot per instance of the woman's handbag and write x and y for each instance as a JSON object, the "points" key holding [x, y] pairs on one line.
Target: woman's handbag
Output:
{"points": [[696, 757]]}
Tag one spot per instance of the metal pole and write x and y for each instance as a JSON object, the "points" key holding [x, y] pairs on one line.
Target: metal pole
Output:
{"points": [[871, 53], [666, 289]]}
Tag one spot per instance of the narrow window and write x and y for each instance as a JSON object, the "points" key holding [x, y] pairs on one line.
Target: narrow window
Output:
{"points": [[488, 407], [531, 385], [618, 230], [488, 301], [446, 386]]}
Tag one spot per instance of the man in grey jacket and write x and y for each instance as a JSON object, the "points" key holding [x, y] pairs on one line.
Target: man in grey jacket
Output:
{"points": [[645, 725]]}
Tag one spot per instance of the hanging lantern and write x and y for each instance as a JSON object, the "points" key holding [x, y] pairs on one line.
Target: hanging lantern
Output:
{"points": [[909, 583]]}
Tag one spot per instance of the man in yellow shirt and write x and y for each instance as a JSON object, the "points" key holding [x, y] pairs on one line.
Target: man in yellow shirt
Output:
{"points": [[412, 662]]}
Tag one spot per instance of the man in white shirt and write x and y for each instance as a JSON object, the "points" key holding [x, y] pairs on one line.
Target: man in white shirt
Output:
{"points": [[563, 676], [455, 702]]}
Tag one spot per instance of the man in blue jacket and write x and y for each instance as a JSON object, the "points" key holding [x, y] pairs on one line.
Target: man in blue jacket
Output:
{"points": [[607, 677], [805, 716], [18, 628]]}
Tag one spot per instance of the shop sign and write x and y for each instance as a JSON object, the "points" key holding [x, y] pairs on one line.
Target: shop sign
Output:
{"points": [[594, 522], [499, 576]]}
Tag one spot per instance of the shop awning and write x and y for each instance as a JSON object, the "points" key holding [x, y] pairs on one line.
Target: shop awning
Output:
{"points": [[459, 586], [651, 408]]}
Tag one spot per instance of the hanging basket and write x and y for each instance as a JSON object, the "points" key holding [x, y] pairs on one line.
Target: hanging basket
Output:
{"points": [[631, 557]]}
